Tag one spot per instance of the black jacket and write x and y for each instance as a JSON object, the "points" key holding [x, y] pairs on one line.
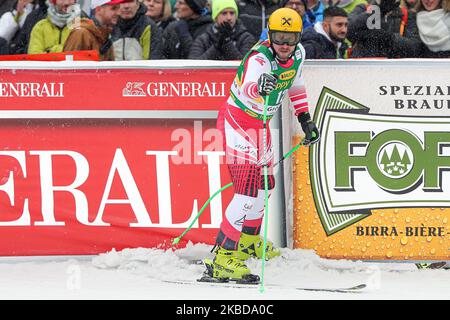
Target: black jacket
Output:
{"points": [[4, 48], [162, 25], [133, 29], [427, 53], [7, 5], [386, 41], [317, 46], [207, 47], [179, 36], [255, 13]]}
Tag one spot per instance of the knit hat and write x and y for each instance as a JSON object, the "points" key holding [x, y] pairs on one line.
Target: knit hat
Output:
{"points": [[197, 6], [219, 5]]}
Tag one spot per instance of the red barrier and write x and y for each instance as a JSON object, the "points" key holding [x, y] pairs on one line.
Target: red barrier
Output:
{"points": [[115, 89], [76, 185], [88, 55]]}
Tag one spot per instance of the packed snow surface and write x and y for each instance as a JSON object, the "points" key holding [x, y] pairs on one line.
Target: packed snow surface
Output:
{"points": [[149, 274]]}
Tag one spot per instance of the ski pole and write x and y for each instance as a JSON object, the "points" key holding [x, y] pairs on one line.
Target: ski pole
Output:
{"points": [[176, 240], [287, 155], [266, 193]]}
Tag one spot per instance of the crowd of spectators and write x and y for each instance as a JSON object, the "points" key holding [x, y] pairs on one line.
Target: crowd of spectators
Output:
{"points": [[223, 29]]}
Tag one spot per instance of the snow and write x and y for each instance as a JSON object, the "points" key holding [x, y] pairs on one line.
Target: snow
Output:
{"points": [[140, 274]]}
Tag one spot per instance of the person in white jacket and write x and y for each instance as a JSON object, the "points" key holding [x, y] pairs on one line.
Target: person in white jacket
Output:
{"points": [[12, 21]]}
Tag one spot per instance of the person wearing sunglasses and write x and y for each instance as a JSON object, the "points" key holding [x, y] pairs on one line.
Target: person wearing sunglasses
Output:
{"points": [[270, 71]]}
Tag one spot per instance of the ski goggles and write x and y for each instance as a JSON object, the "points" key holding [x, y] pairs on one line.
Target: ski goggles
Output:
{"points": [[280, 38]]}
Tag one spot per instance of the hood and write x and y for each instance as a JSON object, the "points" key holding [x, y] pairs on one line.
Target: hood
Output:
{"points": [[319, 29]]}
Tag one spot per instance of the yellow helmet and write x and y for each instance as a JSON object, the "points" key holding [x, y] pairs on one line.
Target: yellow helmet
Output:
{"points": [[286, 20]]}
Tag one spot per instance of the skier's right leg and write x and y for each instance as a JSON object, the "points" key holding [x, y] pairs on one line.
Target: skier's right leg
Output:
{"points": [[227, 262], [241, 150]]}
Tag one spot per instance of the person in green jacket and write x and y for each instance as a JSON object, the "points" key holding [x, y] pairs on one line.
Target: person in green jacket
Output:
{"points": [[49, 35]]}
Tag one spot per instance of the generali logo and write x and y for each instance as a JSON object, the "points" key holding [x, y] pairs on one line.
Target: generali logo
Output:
{"points": [[174, 89], [119, 171], [376, 161], [32, 89]]}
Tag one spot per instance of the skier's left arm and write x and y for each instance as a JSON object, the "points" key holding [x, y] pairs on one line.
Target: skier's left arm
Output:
{"points": [[299, 101]]}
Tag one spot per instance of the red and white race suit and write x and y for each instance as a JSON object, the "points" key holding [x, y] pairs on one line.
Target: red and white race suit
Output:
{"points": [[241, 124]]}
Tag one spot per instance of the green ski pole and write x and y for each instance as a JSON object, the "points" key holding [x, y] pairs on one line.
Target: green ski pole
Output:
{"points": [[288, 154], [266, 194], [176, 240]]}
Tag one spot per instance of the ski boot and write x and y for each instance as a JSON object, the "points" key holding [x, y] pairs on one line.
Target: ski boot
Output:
{"points": [[252, 246], [227, 267]]}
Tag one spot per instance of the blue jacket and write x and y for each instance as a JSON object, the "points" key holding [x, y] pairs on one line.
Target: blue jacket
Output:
{"points": [[316, 14]]}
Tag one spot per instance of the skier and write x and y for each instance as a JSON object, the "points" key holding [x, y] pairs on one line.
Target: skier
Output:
{"points": [[271, 70]]}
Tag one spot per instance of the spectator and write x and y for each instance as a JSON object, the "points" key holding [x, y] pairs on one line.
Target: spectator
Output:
{"points": [[12, 21], [396, 36], [19, 45], [297, 5], [95, 34], [433, 21], [315, 10], [194, 20], [254, 14], [226, 39], [136, 36], [326, 39], [50, 34], [160, 11], [347, 5]]}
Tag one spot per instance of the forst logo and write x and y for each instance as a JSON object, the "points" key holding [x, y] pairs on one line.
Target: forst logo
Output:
{"points": [[391, 163], [369, 161], [397, 160]]}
